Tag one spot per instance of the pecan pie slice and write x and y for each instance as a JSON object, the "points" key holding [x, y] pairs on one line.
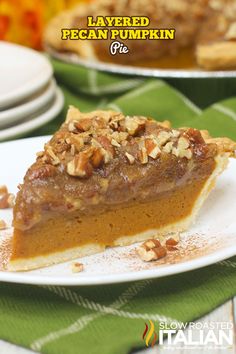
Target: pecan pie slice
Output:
{"points": [[106, 179]]}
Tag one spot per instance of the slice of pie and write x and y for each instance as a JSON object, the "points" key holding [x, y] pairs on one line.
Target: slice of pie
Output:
{"points": [[106, 179]]}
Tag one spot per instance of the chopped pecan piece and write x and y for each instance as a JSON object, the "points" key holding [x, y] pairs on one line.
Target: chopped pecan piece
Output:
{"points": [[152, 254], [134, 125], [130, 158], [168, 147], [151, 250], [11, 200], [143, 156], [119, 136], [73, 114], [71, 127], [3, 225], [105, 142], [183, 148], [83, 124], [77, 267], [172, 239], [72, 150], [107, 155], [163, 137], [80, 166], [3, 190], [165, 124], [115, 143], [54, 159], [152, 243], [77, 141], [172, 242], [6, 199], [40, 154], [231, 33], [152, 148], [97, 158], [115, 122], [175, 133]]}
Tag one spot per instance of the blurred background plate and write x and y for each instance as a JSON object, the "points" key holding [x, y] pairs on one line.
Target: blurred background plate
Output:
{"points": [[138, 71], [23, 71], [33, 122], [28, 106]]}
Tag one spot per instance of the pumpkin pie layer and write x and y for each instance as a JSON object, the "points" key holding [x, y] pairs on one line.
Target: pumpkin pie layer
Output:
{"points": [[106, 179]]}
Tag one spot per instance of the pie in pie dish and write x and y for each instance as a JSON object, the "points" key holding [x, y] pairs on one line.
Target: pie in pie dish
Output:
{"points": [[106, 179], [205, 33]]}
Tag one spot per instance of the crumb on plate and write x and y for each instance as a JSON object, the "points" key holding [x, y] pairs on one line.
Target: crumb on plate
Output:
{"points": [[77, 267]]}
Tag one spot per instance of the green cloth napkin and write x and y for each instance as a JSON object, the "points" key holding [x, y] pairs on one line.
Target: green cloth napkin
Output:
{"points": [[90, 89], [111, 319], [108, 319]]}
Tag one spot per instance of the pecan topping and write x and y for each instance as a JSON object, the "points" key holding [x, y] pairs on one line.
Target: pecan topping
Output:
{"points": [[111, 135]]}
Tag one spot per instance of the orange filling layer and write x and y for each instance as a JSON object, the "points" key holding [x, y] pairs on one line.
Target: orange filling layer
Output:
{"points": [[62, 232]]}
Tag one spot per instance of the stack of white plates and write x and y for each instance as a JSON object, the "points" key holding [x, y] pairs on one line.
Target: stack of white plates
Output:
{"points": [[29, 96]]}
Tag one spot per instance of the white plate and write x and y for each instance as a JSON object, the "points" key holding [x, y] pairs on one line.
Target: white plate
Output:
{"points": [[23, 71], [29, 106], [138, 71], [32, 123], [212, 239]]}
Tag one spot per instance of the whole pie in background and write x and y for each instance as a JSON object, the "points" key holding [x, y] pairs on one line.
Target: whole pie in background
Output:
{"points": [[205, 33]]}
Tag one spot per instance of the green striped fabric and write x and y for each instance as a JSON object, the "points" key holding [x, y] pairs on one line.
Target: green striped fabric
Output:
{"points": [[90, 89], [111, 319], [108, 319]]}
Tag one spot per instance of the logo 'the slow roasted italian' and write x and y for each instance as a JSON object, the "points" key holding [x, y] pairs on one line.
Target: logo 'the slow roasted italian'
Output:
{"points": [[149, 334]]}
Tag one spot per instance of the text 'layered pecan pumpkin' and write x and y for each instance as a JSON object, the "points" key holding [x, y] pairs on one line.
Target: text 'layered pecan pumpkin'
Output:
{"points": [[106, 179]]}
